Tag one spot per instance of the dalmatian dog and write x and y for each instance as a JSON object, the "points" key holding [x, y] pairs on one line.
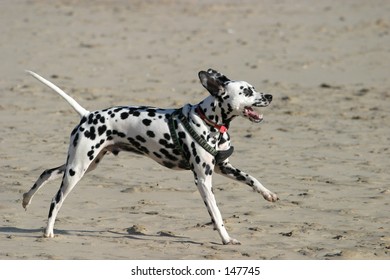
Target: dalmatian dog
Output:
{"points": [[193, 137]]}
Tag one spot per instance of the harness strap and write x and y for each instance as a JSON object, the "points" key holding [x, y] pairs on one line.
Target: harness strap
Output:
{"points": [[219, 156], [196, 136], [175, 138]]}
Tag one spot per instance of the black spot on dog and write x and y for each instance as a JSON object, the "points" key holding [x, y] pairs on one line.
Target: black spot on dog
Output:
{"points": [[146, 122], [151, 112], [168, 155], [144, 150], [186, 151], [181, 135], [235, 172], [52, 205], [194, 152], [109, 135], [71, 172], [134, 143], [74, 130], [222, 141], [90, 118], [157, 155], [83, 120], [121, 134], [91, 133], [99, 144], [124, 115], [58, 196], [140, 138], [150, 133], [90, 154], [75, 140], [208, 170], [163, 142], [102, 129]]}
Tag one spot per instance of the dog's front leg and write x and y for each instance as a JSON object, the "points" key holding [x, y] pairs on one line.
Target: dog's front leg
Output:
{"points": [[203, 182], [228, 170]]}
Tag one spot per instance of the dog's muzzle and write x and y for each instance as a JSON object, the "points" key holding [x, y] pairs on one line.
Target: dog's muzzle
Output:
{"points": [[254, 116]]}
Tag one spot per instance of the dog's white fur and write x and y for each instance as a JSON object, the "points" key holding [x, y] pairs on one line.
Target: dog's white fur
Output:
{"points": [[144, 130]]}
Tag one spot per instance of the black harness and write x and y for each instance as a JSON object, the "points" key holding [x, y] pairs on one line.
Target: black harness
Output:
{"points": [[219, 156]]}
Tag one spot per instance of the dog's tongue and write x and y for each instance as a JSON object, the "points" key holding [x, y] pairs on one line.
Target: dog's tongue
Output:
{"points": [[253, 115]]}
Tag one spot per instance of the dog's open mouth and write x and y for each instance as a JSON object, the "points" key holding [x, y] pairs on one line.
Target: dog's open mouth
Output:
{"points": [[252, 115]]}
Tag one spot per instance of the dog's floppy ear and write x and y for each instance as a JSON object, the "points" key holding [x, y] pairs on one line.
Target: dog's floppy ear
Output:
{"points": [[218, 76], [211, 82]]}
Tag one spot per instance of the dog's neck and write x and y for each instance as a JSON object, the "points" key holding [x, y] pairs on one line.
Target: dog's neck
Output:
{"points": [[213, 114], [220, 127]]}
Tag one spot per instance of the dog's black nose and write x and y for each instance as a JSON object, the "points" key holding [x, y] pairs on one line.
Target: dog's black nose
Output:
{"points": [[268, 97]]}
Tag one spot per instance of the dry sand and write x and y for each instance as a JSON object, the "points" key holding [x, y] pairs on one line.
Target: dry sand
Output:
{"points": [[323, 147]]}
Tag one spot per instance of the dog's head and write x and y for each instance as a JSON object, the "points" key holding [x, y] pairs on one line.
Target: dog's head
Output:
{"points": [[237, 98]]}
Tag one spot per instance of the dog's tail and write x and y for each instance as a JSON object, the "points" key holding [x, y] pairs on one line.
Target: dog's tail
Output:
{"points": [[76, 106]]}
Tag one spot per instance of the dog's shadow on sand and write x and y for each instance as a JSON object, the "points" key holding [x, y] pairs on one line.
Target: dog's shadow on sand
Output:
{"points": [[159, 236], [12, 232], [38, 232], [15, 230]]}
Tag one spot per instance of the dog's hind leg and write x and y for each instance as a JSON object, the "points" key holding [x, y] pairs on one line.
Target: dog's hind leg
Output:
{"points": [[52, 174], [72, 176], [46, 176], [78, 164]]}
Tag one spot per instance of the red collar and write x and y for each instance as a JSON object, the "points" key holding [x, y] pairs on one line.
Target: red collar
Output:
{"points": [[221, 128]]}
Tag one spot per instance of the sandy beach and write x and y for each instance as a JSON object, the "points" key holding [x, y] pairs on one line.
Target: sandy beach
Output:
{"points": [[323, 146]]}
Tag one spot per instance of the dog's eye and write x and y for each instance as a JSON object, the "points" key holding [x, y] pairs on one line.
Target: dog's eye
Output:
{"points": [[248, 92]]}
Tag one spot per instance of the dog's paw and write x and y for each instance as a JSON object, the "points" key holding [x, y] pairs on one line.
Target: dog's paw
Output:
{"points": [[270, 196], [26, 201], [232, 241], [48, 235]]}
